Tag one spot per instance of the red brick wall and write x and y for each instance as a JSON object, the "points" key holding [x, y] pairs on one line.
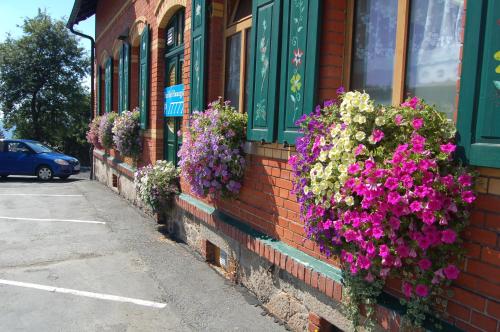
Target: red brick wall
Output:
{"points": [[266, 202]]}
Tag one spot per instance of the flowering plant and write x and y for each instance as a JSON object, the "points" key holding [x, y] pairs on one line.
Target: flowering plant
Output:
{"points": [[211, 156], [106, 130], [93, 132], [378, 187], [155, 184], [127, 134]]}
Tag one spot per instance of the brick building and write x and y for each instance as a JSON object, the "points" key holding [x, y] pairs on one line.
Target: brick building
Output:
{"points": [[445, 51]]}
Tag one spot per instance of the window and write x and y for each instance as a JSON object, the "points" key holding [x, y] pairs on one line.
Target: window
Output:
{"points": [[17, 147], [402, 48], [238, 27], [373, 48]]}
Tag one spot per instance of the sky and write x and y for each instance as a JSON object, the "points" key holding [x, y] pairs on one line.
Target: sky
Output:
{"points": [[13, 13]]}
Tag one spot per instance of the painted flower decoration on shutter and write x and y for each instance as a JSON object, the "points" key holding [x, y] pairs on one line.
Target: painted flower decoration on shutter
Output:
{"points": [[297, 59], [296, 83]]}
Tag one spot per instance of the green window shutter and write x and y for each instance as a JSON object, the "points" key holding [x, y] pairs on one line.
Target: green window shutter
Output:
{"points": [[98, 91], [126, 77], [120, 81], [108, 82], [144, 77], [299, 66], [198, 58], [479, 108], [263, 70]]}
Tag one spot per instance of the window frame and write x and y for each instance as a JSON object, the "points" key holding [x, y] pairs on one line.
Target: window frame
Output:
{"points": [[230, 29]]}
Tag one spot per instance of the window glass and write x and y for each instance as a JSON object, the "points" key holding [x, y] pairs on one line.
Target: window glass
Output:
{"points": [[233, 72], [434, 51], [373, 48], [39, 147], [17, 147]]}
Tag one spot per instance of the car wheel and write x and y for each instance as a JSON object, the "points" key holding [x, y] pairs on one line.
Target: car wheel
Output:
{"points": [[44, 173], [64, 177]]}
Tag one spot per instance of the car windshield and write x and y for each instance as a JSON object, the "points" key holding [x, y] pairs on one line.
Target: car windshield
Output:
{"points": [[39, 147]]}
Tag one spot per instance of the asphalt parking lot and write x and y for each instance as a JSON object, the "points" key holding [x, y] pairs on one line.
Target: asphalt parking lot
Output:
{"points": [[74, 256]]}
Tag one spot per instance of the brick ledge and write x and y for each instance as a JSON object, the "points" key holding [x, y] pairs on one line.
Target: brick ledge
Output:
{"points": [[315, 273]]}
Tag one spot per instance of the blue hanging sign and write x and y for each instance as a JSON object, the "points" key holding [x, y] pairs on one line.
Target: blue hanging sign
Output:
{"points": [[174, 100]]}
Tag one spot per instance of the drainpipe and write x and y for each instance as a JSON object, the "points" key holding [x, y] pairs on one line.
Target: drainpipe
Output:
{"points": [[92, 92]]}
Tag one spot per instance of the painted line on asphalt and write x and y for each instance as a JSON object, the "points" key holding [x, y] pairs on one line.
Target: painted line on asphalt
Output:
{"points": [[41, 195], [61, 220], [99, 296]]}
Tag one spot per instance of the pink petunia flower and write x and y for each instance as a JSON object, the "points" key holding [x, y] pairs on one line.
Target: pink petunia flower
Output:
{"points": [[448, 236], [398, 119], [422, 290], [377, 135], [451, 272], [424, 264], [353, 168], [407, 289], [359, 150], [465, 180], [417, 123], [468, 196], [448, 148]]}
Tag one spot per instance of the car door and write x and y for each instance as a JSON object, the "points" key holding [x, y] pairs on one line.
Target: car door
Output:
{"points": [[3, 159], [19, 159]]}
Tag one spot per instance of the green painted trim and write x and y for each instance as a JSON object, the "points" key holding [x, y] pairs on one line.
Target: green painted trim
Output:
{"points": [[199, 204]]}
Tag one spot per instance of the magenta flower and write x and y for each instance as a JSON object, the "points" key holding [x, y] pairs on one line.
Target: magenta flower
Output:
{"points": [[398, 119], [415, 206], [422, 290], [468, 196], [451, 272], [424, 264], [377, 135], [448, 148], [417, 123], [407, 289], [412, 103], [465, 180], [448, 236], [391, 183], [353, 168]]}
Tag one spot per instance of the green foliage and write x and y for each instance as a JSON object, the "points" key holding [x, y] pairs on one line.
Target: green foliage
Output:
{"points": [[41, 91]]}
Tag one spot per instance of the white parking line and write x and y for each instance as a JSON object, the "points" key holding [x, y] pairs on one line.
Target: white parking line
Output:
{"points": [[62, 220], [41, 195], [84, 293]]}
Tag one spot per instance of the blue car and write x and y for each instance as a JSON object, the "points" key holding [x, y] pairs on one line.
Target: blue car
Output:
{"points": [[26, 157]]}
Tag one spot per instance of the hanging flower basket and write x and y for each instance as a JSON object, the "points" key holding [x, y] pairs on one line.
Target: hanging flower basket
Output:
{"points": [[93, 132], [106, 130], [127, 134], [211, 157], [379, 187]]}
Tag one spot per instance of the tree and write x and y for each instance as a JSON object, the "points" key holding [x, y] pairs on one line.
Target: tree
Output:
{"points": [[42, 94], [2, 135]]}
